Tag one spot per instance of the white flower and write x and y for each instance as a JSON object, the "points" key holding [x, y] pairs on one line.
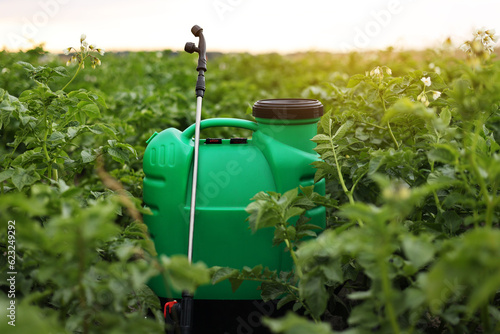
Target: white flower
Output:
{"points": [[388, 70], [375, 71], [92, 46], [101, 51], [480, 32], [83, 37], [436, 95], [465, 47], [491, 34], [426, 81], [85, 44], [66, 51], [437, 70], [5, 70], [68, 62], [431, 65]]}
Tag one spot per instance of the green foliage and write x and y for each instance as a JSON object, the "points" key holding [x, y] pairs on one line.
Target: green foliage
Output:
{"points": [[410, 156], [82, 262], [411, 165]]}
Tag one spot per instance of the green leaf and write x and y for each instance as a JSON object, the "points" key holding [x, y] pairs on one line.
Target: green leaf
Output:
{"points": [[291, 232], [333, 271], [235, 283], [61, 71], [445, 116], [320, 138], [118, 155], [56, 136], [183, 275], [326, 121], [451, 221], [90, 109], [6, 174], [88, 156], [375, 163], [257, 270], [103, 129], [342, 130], [224, 273], [443, 153], [418, 249], [287, 198], [313, 290], [272, 290], [24, 177], [468, 267], [294, 324], [355, 80], [263, 213], [285, 300], [293, 211], [27, 66]]}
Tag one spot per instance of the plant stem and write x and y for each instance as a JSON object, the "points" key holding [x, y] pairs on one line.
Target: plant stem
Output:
{"points": [[434, 193], [294, 258], [339, 172], [357, 181], [80, 250], [392, 135], [269, 281], [386, 287], [341, 177], [482, 184], [44, 143], [371, 124], [485, 319], [76, 73], [380, 94]]}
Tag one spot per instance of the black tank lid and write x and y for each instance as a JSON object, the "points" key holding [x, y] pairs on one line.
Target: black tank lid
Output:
{"points": [[287, 109]]}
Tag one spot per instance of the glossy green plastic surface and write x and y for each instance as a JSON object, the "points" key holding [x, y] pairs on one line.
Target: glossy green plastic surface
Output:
{"points": [[277, 158]]}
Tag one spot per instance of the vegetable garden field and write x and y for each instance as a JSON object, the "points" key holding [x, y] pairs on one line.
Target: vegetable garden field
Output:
{"points": [[409, 147]]}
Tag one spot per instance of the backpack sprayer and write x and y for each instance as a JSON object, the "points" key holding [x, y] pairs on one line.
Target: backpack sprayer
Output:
{"points": [[276, 158]]}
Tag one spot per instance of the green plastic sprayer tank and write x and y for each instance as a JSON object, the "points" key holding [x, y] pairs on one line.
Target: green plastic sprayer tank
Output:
{"points": [[276, 158]]}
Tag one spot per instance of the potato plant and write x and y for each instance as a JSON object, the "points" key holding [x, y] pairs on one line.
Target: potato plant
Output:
{"points": [[408, 147]]}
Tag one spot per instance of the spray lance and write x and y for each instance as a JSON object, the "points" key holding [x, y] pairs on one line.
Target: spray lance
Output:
{"points": [[186, 307]]}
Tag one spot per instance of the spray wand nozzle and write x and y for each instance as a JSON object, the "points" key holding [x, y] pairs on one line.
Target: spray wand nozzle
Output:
{"points": [[201, 49]]}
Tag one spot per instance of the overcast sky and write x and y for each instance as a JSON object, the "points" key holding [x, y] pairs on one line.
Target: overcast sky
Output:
{"points": [[244, 25]]}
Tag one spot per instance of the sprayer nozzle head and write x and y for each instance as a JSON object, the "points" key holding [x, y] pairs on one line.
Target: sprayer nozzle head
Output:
{"points": [[190, 47], [196, 30]]}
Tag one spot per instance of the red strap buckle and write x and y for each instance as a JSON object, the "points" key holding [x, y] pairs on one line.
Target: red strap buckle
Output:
{"points": [[169, 305]]}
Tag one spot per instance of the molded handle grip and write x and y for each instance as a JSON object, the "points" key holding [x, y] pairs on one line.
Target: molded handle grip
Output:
{"points": [[215, 122]]}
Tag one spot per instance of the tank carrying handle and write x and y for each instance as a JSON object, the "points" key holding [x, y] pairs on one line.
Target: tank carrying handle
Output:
{"points": [[218, 122]]}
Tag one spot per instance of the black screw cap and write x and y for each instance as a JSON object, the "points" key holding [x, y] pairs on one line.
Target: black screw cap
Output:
{"points": [[196, 30], [190, 47]]}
